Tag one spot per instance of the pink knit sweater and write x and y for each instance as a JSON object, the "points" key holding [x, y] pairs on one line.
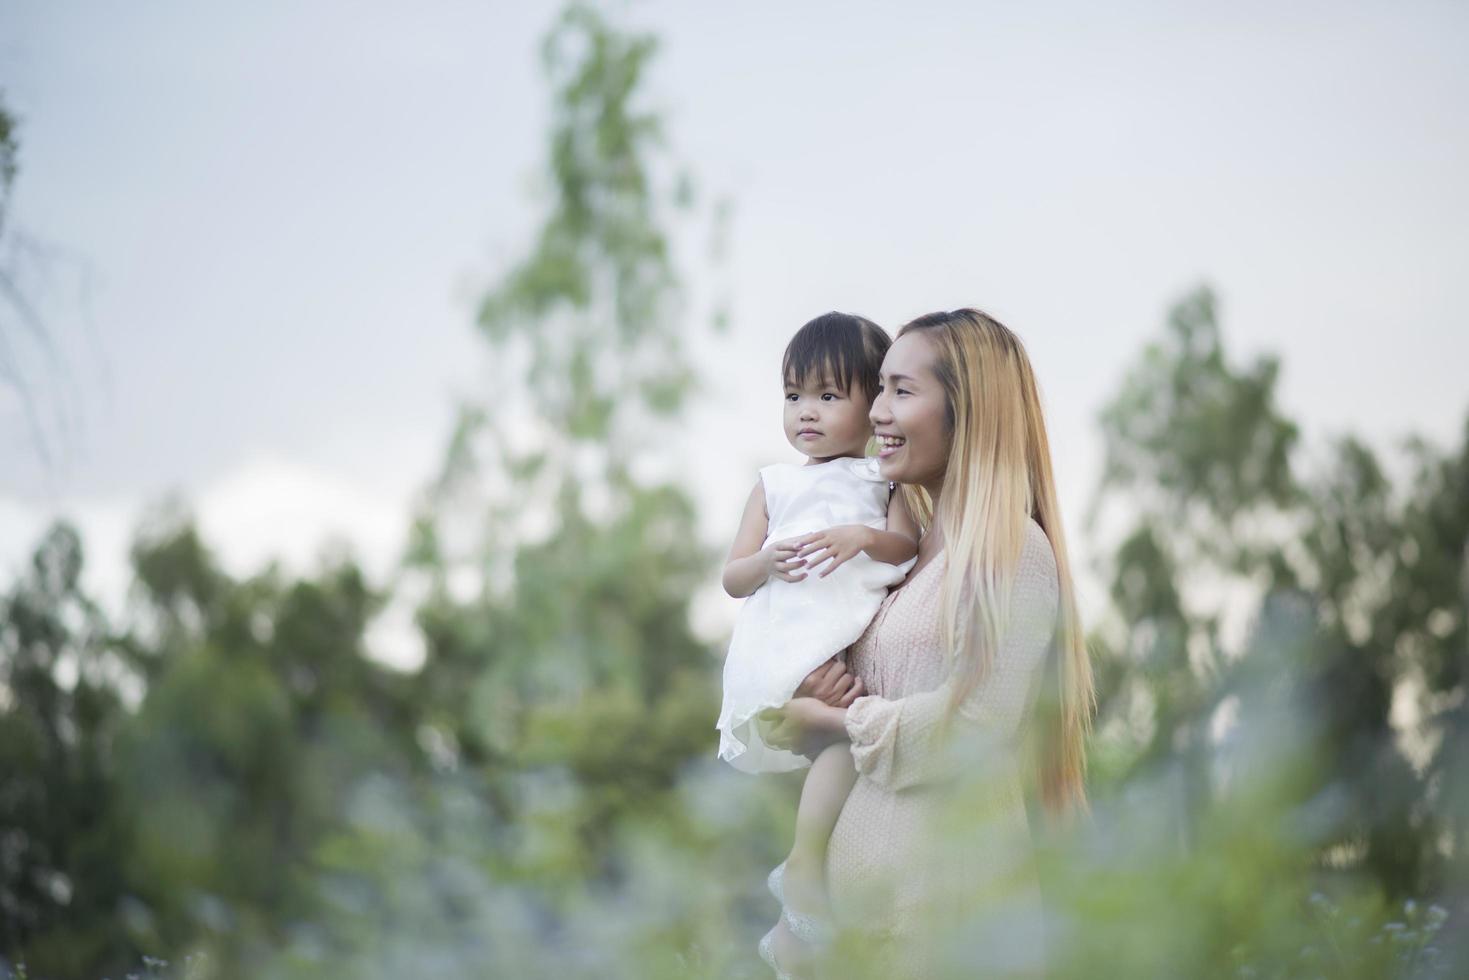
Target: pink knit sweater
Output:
{"points": [[932, 853]]}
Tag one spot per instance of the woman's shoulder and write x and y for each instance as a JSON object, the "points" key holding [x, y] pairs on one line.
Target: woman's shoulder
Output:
{"points": [[1038, 573]]}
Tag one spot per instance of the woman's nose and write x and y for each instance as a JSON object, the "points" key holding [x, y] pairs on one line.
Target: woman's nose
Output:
{"points": [[878, 413]]}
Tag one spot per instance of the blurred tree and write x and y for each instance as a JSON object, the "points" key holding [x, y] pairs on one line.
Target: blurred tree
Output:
{"points": [[21, 319], [1353, 530], [188, 821], [1427, 624], [61, 713], [1199, 461], [562, 691], [14, 303], [33, 365], [569, 651], [262, 714], [9, 150]]}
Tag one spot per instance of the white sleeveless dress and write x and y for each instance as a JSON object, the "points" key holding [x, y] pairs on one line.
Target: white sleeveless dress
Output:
{"points": [[785, 630]]}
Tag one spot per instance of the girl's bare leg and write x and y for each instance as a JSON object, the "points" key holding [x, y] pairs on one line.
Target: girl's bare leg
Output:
{"points": [[831, 778]]}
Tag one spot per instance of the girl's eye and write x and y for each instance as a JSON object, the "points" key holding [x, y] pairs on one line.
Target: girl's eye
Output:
{"points": [[790, 397], [828, 397]]}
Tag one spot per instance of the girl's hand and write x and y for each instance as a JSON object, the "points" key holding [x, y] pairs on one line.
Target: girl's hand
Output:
{"points": [[838, 544], [779, 560], [804, 725]]}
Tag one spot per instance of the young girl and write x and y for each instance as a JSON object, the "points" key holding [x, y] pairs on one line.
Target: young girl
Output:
{"points": [[818, 547]]}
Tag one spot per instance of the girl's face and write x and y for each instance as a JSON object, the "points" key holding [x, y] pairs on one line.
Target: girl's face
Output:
{"points": [[909, 416], [825, 420]]}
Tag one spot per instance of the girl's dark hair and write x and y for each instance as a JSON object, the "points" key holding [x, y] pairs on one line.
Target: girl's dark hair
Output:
{"points": [[846, 348]]}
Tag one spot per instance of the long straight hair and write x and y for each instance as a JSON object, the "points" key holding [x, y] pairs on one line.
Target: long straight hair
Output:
{"points": [[999, 474]]}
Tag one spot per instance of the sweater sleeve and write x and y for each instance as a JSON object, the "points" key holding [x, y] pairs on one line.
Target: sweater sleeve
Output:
{"points": [[903, 742]]}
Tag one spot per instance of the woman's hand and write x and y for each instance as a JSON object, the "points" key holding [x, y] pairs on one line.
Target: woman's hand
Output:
{"points": [[832, 684], [804, 725], [838, 545]]}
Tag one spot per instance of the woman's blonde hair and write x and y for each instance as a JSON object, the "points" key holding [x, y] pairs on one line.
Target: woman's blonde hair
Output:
{"points": [[998, 475]]}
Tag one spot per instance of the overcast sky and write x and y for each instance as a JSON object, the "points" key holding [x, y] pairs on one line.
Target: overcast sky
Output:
{"points": [[270, 222]]}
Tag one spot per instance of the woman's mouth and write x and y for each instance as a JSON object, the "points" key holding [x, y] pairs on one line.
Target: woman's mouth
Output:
{"points": [[887, 445]]}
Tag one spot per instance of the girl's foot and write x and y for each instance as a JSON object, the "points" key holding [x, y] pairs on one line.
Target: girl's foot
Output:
{"points": [[798, 939], [790, 957], [767, 953], [804, 886]]}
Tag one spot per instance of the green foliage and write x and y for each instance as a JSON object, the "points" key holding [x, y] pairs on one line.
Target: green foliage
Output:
{"points": [[597, 600], [1201, 463], [189, 820], [1198, 441], [60, 716], [591, 316]]}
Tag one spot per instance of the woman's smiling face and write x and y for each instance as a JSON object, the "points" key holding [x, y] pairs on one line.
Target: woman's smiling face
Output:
{"points": [[910, 414]]}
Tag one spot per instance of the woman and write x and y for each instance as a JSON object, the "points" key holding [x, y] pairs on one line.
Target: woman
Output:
{"points": [[980, 686]]}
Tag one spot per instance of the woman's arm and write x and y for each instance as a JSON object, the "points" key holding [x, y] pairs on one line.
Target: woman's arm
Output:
{"points": [[904, 742], [749, 565], [805, 725], [893, 547], [899, 542], [901, 521]]}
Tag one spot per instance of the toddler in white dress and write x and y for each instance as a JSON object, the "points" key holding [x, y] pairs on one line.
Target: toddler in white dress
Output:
{"points": [[818, 547], [787, 628]]}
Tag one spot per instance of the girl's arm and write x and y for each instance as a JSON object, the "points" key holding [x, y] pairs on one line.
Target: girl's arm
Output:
{"points": [[895, 545], [749, 565]]}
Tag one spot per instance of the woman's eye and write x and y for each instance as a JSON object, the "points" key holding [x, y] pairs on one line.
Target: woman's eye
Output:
{"points": [[902, 391]]}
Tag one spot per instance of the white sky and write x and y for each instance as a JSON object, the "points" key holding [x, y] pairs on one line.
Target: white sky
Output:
{"points": [[281, 214]]}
